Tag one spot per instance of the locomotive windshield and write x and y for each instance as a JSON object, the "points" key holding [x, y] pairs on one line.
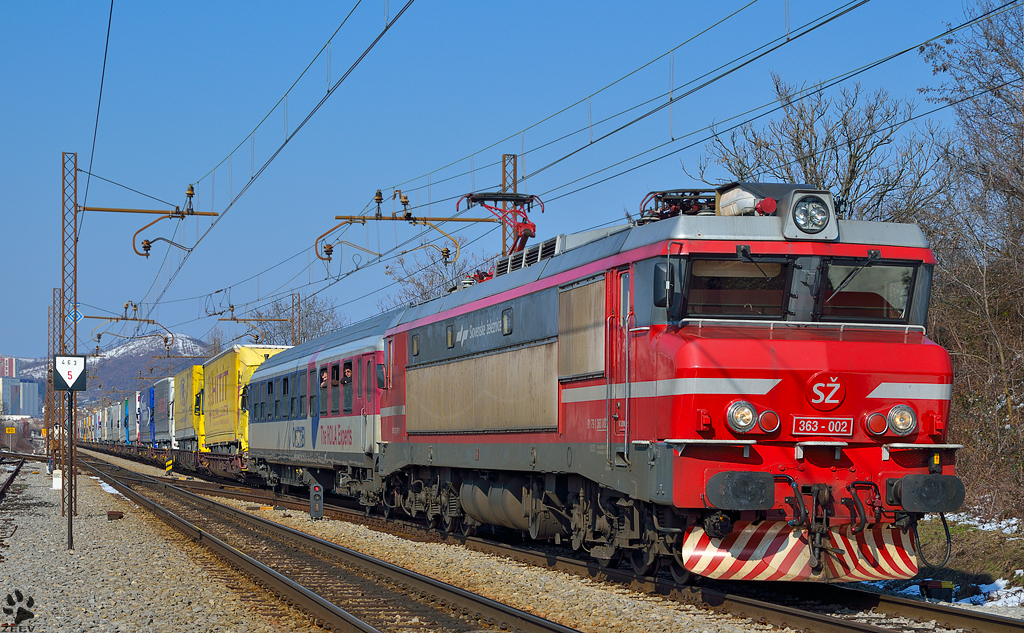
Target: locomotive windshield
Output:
{"points": [[730, 288], [854, 292]]}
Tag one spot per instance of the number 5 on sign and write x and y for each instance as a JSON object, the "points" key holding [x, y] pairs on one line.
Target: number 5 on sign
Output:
{"points": [[69, 373]]}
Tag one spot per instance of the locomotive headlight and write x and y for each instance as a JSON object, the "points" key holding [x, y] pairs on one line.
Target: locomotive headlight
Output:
{"points": [[902, 420], [811, 214], [742, 416]]}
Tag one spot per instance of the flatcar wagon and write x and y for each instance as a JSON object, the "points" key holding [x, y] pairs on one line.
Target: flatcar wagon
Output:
{"points": [[738, 384]]}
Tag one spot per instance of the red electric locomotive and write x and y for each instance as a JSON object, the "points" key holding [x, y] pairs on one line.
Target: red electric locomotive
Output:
{"points": [[738, 384]]}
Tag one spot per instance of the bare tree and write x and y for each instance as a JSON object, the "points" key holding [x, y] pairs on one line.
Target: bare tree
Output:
{"points": [[215, 342], [318, 315], [979, 309], [426, 275], [858, 146]]}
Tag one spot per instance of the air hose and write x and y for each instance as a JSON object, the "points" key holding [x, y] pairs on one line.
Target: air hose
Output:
{"points": [[949, 544]]}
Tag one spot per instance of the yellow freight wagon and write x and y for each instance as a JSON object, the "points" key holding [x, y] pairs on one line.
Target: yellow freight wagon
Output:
{"points": [[188, 409], [224, 377]]}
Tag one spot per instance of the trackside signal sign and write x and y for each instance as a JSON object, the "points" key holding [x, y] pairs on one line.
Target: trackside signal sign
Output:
{"points": [[69, 373]]}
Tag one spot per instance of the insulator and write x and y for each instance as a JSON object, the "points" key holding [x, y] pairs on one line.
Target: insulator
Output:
{"points": [[378, 198], [328, 249], [445, 253], [190, 191], [146, 244], [405, 200]]}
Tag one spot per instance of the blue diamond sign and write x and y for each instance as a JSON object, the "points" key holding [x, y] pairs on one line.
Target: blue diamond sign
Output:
{"points": [[75, 317]]}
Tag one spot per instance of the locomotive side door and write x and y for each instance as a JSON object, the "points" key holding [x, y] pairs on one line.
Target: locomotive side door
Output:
{"points": [[618, 372]]}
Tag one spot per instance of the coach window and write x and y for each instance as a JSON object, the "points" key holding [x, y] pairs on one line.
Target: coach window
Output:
{"points": [[268, 410], [415, 344], [346, 386], [506, 321], [285, 396], [293, 409], [302, 394], [335, 388], [450, 336], [323, 390], [369, 382], [277, 399], [359, 381], [262, 397]]}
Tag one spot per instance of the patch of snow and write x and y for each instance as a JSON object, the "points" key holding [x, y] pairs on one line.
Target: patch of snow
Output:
{"points": [[913, 591], [107, 487], [997, 595], [1006, 526]]}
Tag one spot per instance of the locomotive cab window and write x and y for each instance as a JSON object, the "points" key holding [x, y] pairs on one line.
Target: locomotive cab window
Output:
{"points": [[302, 394], [449, 333], [736, 289], [865, 291]]}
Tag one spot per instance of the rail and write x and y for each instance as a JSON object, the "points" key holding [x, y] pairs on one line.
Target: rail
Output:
{"points": [[327, 614], [706, 597], [10, 479]]}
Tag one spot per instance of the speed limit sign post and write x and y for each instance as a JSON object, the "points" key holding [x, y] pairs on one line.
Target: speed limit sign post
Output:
{"points": [[69, 376], [69, 373]]}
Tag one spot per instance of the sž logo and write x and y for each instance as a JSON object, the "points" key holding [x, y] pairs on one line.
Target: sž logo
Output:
{"points": [[826, 390]]}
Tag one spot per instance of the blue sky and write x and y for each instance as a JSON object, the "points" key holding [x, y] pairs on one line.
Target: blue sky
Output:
{"points": [[187, 82]]}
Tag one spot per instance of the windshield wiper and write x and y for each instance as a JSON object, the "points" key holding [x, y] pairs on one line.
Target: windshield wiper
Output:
{"points": [[743, 252], [873, 256]]}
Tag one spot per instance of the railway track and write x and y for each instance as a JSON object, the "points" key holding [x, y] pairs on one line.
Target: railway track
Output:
{"points": [[10, 478], [794, 605], [336, 587], [882, 609]]}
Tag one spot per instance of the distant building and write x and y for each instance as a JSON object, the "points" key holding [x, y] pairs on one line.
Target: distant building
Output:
{"points": [[19, 397], [8, 366]]}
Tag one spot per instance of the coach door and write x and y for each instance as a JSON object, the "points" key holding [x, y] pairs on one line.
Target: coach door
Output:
{"points": [[367, 392], [618, 372]]}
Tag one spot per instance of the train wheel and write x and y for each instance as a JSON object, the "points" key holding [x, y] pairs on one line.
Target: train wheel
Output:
{"points": [[467, 529], [449, 524], [680, 574], [610, 563], [644, 561]]}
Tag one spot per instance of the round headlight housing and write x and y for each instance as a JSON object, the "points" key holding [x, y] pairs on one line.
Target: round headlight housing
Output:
{"points": [[877, 423], [902, 420], [742, 416], [810, 214], [769, 421]]}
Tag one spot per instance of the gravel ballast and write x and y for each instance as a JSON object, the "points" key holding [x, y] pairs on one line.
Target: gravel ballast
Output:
{"points": [[572, 601], [132, 574]]}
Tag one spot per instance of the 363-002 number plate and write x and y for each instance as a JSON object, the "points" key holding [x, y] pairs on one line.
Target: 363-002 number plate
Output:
{"points": [[822, 425]]}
